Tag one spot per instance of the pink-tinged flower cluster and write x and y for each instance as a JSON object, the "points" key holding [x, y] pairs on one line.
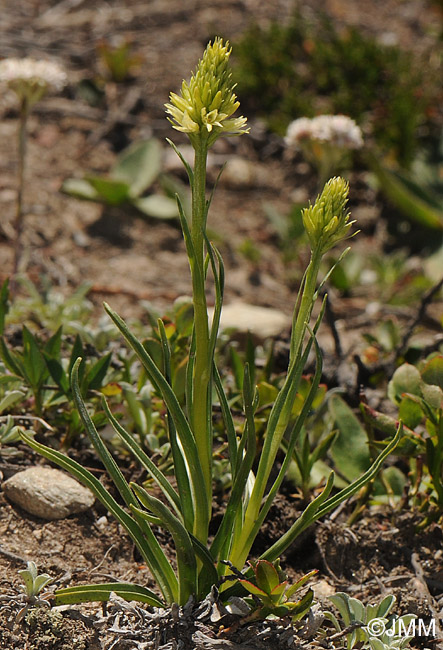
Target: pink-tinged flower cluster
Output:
{"points": [[336, 130]]}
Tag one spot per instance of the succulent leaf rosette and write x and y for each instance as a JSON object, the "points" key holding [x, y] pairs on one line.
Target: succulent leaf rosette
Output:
{"points": [[207, 102]]}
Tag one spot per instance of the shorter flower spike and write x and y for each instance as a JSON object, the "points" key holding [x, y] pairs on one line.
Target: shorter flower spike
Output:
{"points": [[206, 104], [327, 221]]}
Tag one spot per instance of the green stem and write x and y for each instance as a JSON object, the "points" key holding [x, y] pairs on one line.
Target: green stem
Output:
{"points": [[200, 415], [241, 546], [303, 314]]}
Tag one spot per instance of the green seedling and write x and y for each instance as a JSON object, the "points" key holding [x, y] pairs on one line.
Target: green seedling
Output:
{"points": [[204, 112], [118, 60], [270, 592], [34, 583], [370, 627], [418, 394], [135, 171]]}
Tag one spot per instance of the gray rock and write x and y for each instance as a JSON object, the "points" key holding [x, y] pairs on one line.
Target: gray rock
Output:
{"points": [[262, 322], [48, 493]]}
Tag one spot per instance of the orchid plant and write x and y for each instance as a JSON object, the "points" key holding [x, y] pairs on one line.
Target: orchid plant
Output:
{"points": [[204, 112]]}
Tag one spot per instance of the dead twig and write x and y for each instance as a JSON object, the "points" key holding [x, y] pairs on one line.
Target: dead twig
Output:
{"points": [[421, 312]]}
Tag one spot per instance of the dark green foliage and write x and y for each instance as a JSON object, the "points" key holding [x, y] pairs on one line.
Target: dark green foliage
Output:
{"points": [[306, 68]]}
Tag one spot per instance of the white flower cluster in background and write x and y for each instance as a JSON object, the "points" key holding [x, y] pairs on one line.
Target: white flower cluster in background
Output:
{"points": [[31, 78], [338, 130]]}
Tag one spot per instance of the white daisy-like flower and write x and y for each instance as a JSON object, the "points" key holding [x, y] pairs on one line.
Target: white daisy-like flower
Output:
{"points": [[30, 78], [338, 130]]}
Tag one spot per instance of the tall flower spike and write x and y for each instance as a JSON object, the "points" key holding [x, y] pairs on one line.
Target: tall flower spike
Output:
{"points": [[327, 221], [206, 104]]}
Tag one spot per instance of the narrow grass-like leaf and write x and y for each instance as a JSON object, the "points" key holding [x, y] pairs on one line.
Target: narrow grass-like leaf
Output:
{"points": [[186, 165], [227, 419], [186, 561], [185, 434], [180, 470], [143, 458], [157, 560], [293, 435], [224, 538], [95, 375], [323, 504], [97, 593], [90, 481]]}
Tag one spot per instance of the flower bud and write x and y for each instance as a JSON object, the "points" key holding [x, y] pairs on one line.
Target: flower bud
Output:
{"points": [[327, 221], [206, 104]]}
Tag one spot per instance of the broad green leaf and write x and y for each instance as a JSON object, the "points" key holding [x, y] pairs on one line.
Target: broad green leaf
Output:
{"points": [[266, 575], [157, 206], [253, 589], [10, 398], [81, 189], [109, 191], [406, 379], [138, 166], [350, 450], [410, 412], [432, 373]]}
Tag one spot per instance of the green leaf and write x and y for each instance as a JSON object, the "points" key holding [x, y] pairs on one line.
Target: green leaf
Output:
{"points": [[138, 166], [12, 360], [300, 583], [183, 429], [109, 191], [410, 412], [157, 206], [33, 360], [97, 372], [350, 450], [186, 560], [94, 593], [4, 304], [432, 373], [10, 398], [266, 575], [80, 189], [408, 196], [147, 547], [406, 379], [253, 589], [58, 374]]}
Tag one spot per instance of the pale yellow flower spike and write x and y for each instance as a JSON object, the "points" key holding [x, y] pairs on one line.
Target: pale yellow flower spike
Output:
{"points": [[208, 101]]}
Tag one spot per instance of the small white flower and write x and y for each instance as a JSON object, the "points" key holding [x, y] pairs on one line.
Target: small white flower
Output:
{"points": [[30, 79], [337, 130]]}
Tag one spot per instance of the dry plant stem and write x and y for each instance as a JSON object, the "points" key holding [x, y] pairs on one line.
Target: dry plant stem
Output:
{"points": [[19, 215]]}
